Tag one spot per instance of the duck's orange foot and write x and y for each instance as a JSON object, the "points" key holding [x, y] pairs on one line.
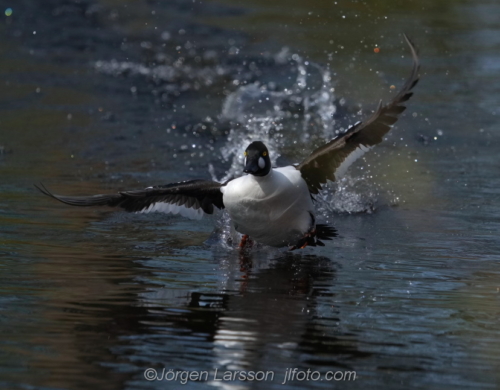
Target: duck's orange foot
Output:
{"points": [[312, 237], [294, 247], [308, 239], [245, 240]]}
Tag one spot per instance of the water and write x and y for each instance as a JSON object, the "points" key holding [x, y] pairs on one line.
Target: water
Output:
{"points": [[108, 96]]}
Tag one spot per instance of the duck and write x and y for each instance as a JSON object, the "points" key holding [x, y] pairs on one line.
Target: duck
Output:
{"points": [[269, 205]]}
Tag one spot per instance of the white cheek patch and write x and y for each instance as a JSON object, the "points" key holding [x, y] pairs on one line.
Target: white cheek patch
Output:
{"points": [[168, 208], [262, 163]]}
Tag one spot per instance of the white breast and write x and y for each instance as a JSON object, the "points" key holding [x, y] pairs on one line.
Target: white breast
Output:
{"points": [[274, 209]]}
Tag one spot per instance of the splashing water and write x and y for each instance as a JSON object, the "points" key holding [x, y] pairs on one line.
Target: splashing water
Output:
{"points": [[307, 109], [186, 76], [321, 104], [264, 112], [263, 129], [257, 112], [346, 196]]}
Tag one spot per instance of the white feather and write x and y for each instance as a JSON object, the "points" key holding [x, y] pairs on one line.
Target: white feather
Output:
{"points": [[168, 208], [274, 209], [356, 153], [262, 163]]}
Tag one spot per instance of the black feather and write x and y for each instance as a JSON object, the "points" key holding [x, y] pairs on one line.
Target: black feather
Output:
{"points": [[323, 163], [192, 194]]}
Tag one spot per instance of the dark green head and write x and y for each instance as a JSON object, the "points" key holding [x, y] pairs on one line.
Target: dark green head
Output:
{"points": [[257, 161]]}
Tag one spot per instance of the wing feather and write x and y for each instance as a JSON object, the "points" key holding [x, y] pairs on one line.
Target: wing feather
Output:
{"points": [[330, 161], [197, 195]]}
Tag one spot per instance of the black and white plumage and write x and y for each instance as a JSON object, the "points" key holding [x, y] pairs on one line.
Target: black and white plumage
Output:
{"points": [[273, 206], [189, 198]]}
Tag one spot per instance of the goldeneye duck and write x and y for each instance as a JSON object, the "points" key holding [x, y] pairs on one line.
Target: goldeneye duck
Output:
{"points": [[273, 206]]}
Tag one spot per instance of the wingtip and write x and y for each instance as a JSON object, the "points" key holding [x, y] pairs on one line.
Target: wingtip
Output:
{"points": [[408, 40], [40, 187], [413, 49]]}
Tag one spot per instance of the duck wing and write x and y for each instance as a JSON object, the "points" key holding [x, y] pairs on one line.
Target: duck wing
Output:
{"points": [[330, 161], [188, 198]]}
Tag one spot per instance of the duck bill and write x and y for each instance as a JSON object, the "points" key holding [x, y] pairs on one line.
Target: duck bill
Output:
{"points": [[251, 167]]}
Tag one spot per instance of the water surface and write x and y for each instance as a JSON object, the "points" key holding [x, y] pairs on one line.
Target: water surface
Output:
{"points": [[101, 96]]}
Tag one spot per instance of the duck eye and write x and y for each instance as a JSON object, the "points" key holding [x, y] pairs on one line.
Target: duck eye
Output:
{"points": [[264, 154], [245, 154]]}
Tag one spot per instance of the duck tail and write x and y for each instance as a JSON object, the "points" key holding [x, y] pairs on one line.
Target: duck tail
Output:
{"points": [[314, 237], [325, 232]]}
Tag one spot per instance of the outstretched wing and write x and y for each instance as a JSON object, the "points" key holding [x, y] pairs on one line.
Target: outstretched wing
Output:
{"points": [[330, 161], [188, 198]]}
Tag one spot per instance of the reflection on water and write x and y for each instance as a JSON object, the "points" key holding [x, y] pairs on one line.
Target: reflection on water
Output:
{"points": [[242, 327], [110, 95]]}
